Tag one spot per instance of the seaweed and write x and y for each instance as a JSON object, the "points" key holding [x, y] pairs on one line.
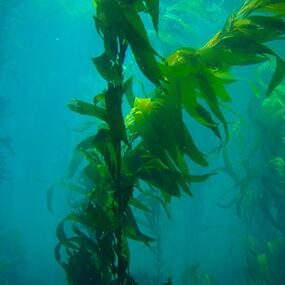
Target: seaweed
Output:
{"points": [[152, 145]]}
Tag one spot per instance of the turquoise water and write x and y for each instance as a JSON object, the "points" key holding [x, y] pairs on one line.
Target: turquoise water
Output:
{"points": [[46, 49]]}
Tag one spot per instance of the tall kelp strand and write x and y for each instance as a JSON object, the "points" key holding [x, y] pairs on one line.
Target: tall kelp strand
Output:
{"points": [[147, 152]]}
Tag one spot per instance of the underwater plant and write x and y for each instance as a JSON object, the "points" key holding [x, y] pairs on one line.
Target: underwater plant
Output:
{"points": [[150, 148], [265, 263], [262, 182], [192, 276]]}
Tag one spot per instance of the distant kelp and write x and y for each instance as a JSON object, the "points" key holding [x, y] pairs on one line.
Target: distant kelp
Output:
{"points": [[260, 178], [265, 263], [193, 276]]}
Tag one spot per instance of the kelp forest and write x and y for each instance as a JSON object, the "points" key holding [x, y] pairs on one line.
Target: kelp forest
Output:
{"points": [[142, 142]]}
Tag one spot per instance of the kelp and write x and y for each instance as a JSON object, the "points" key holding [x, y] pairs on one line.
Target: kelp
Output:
{"points": [[193, 276], [264, 262], [152, 146]]}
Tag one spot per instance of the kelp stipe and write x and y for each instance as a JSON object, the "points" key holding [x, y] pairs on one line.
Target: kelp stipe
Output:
{"points": [[153, 142]]}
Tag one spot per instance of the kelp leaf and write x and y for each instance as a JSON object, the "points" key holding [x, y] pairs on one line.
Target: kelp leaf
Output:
{"points": [[108, 70], [264, 266], [134, 30], [111, 48], [276, 8], [132, 230], [94, 217], [209, 122], [166, 180], [103, 143], [147, 64], [87, 109], [200, 178], [74, 164], [192, 151], [127, 86], [85, 144], [162, 203], [210, 97], [60, 232], [278, 75], [139, 205], [153, 10], [72, 187]]}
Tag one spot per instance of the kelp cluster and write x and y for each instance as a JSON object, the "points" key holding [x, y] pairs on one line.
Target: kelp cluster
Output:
{"points": [[260, 202], [148, 151], [193, 276]]}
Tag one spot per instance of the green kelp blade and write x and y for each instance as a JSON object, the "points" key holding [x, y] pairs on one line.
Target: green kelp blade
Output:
{"points": [[191, 150], [94, 217], [131, 229], [76, 188], [219, 88], [223, 57], [139, 6], [111, 46], [64, 184], [127, 25], [200, 178], [278, 75], [153, 10], [211, 99], [272, 26], [228, 166], [277, 8], [264, 266], [74, 164], [148, 64], [103, 143], [85, 240], [208, 121], [134, 202], [134, 31], [189, 98], [159, 175], [60, 232], [87, 109], [159, 199], [57, 255], [107, 68], [127, 86]]}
